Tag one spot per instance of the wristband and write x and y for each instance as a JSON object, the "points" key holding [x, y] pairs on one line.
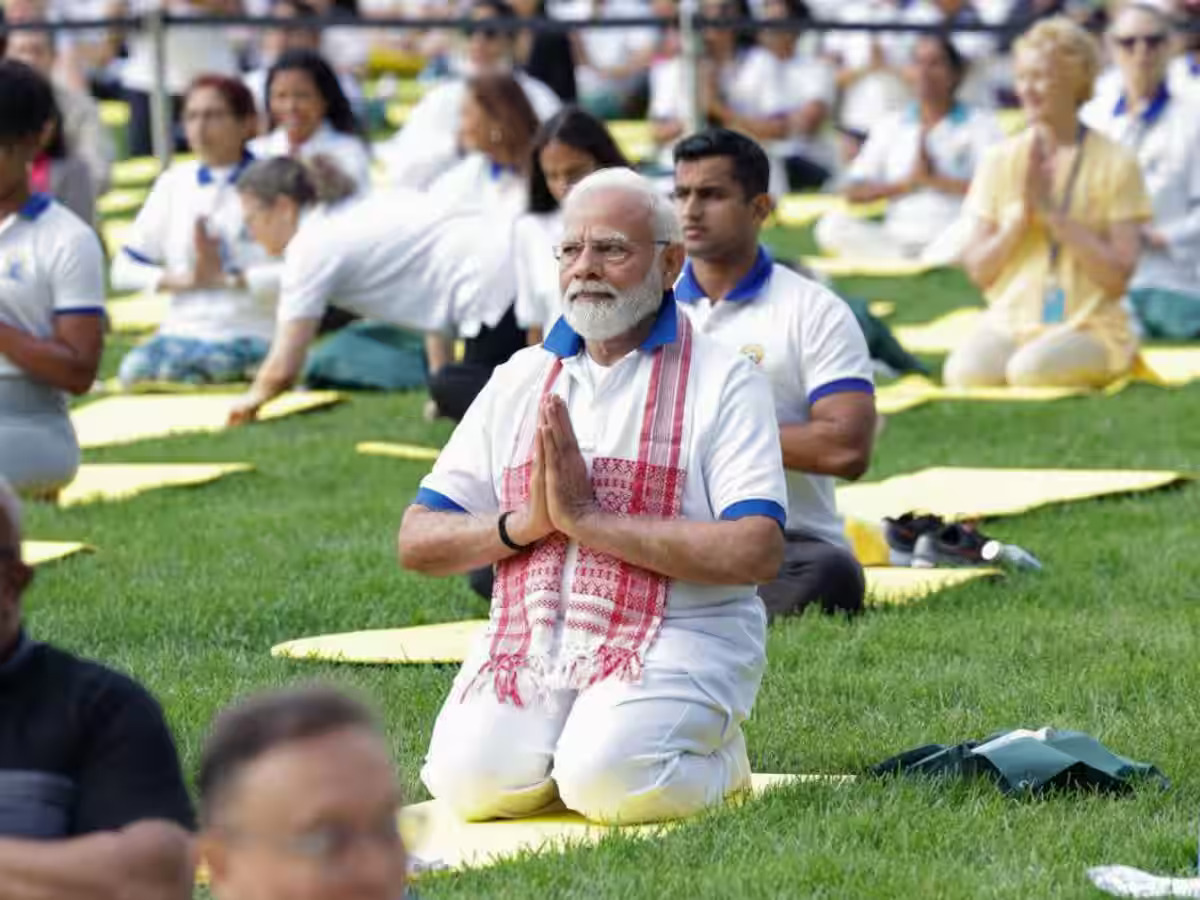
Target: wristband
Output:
{"points": [[504, 538]]}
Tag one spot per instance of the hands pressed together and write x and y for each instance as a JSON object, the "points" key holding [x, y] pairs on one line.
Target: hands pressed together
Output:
{"points": [[560, 489]]}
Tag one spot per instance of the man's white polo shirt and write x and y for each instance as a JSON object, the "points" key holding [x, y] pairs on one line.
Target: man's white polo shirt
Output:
{"points": [[807, 341], [732, 456], [1166, 139], [51, 264]]}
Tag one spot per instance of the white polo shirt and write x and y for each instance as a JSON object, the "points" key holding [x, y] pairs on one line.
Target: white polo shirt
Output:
{"points": [[878, 93], [807, 341], [732, 456], [955, 145], [399, 257], [161, 241], [476, 182], [428, 142], [539, 298], [1166, 139], [667, 92], [608, 48], [51, 264], [347, 150]]}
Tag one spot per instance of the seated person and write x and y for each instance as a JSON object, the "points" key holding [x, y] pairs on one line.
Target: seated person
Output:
{"points": [[51, 301], [189, 241], [1162, 127], [92, 802], [612, 64], [397, 257], [428, 142], [308, 775], [1059, 211], [497, 130], [310, 115], [783, 99], [921, 161], [59, 173], [571, 146], [804, 338], [624, 477]]}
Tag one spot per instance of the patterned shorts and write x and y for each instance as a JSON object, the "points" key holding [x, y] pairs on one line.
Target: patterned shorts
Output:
{"points": [[192, 361]]}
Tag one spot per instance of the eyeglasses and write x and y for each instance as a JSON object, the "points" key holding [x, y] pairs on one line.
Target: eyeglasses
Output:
{"points": [[1149, 41], [613, 252]]}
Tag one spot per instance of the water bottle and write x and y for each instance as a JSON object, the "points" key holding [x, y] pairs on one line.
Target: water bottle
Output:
{"points": [[1009, 554]]}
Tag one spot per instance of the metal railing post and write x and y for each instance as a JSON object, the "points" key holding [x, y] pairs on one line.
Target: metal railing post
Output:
{"points": [[691, 44], [162, 130]]}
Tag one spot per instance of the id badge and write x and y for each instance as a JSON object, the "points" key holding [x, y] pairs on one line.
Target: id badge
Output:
{"points": [[1054, 305]]}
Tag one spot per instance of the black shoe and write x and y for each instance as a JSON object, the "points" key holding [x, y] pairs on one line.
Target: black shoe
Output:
{"points": [[902, 533], [956, 544]]}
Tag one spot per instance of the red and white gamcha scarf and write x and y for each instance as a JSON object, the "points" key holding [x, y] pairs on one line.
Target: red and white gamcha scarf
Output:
{"points": [[615, 610]]}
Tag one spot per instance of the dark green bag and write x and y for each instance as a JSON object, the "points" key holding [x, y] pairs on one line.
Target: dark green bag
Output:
{"points": [[881, 343], [368, 356], [1027, 765]]}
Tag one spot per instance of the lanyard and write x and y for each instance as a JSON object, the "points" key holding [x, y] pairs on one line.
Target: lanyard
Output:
{"points": [[1065, 205]]}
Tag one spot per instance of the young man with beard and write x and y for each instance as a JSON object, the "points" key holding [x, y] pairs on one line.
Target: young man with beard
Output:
{"points": [[625, 479], [805, 339]]}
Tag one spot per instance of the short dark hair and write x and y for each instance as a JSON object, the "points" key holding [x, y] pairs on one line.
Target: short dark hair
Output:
{"points": [[502, 8], [249, 729], [581, 131], [751, 169], [338, 111], [26, 102], [953, 56], [233, 92]]}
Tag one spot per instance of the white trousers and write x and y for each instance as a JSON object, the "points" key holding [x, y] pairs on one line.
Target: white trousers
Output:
{"points": [[841, 234], [1060, 357], [664, 748]]}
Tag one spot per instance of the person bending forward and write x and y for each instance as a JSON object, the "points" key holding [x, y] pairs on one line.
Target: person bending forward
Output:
{"points": [[626, 479]]}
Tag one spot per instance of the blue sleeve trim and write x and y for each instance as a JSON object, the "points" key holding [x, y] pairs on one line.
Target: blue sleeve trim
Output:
{"points": [[744, 508], [82, 311], [138, 257], [842, 386], [433, 500]]}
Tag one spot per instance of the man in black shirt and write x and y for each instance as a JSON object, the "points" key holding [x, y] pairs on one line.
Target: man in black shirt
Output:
{"points": [[92, 802]]}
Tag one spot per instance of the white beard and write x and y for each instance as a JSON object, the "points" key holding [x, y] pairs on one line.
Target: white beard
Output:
{"points": [[603, 320]]}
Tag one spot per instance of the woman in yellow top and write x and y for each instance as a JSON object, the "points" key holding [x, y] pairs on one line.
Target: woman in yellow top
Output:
{"points": [[1057, 214]]}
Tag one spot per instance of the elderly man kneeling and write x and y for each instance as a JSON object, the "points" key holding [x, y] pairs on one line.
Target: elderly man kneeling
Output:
{"points": [[626, 480]]}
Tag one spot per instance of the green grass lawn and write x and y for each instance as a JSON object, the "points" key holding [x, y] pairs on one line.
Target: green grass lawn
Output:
{"points": [[190, 588]]}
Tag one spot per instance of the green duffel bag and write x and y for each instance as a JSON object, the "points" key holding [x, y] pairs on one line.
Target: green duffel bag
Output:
{"points": [[1025, 762], [368, 356]]}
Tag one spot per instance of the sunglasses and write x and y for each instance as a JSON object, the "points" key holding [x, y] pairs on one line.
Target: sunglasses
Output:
{"points": [[1150, 41]]}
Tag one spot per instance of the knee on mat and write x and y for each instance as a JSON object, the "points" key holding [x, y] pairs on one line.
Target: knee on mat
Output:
{"points": [[476, 780], [611, 786]]}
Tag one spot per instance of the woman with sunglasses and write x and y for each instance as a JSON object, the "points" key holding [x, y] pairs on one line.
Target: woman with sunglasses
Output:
{"points": [[1162, 128], [1058, 216]]}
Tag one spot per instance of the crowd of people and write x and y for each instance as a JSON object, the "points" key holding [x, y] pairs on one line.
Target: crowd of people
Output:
{"points": [[652, 411]]}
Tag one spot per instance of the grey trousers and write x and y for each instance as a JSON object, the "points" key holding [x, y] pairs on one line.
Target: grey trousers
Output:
{"points": [[814, 571], [38, 450]]}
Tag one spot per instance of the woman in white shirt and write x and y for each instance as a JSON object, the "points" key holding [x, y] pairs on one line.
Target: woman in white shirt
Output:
{"points": [[51, 300], [399, 257], [189, 241], [311, 115], [570, 146], [496, 132], [921, 161]]}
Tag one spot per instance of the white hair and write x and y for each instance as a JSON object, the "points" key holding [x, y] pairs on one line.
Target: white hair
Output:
{"points": [[626, 181]]}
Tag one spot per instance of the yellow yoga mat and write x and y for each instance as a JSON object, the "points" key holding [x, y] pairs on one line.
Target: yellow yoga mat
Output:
{"points": [[913, 390], [135, 313], [400, 451], [122, 201], [121, 420], [114, 113], [36, 553], [942, 334], [1173, 365], [119, 481], [960, 493], [449, 642], [436, 833], [835, 266], [140, 170], [634, 137], [798, 210], [881, 308], [115, 233]]}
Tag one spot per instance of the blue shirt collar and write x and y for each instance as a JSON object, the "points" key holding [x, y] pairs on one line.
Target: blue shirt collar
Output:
{"points": [[1154, 109], [689, 291], [35, 206], [563, 341], [956, 116], [496, 170], [204, 175]]}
